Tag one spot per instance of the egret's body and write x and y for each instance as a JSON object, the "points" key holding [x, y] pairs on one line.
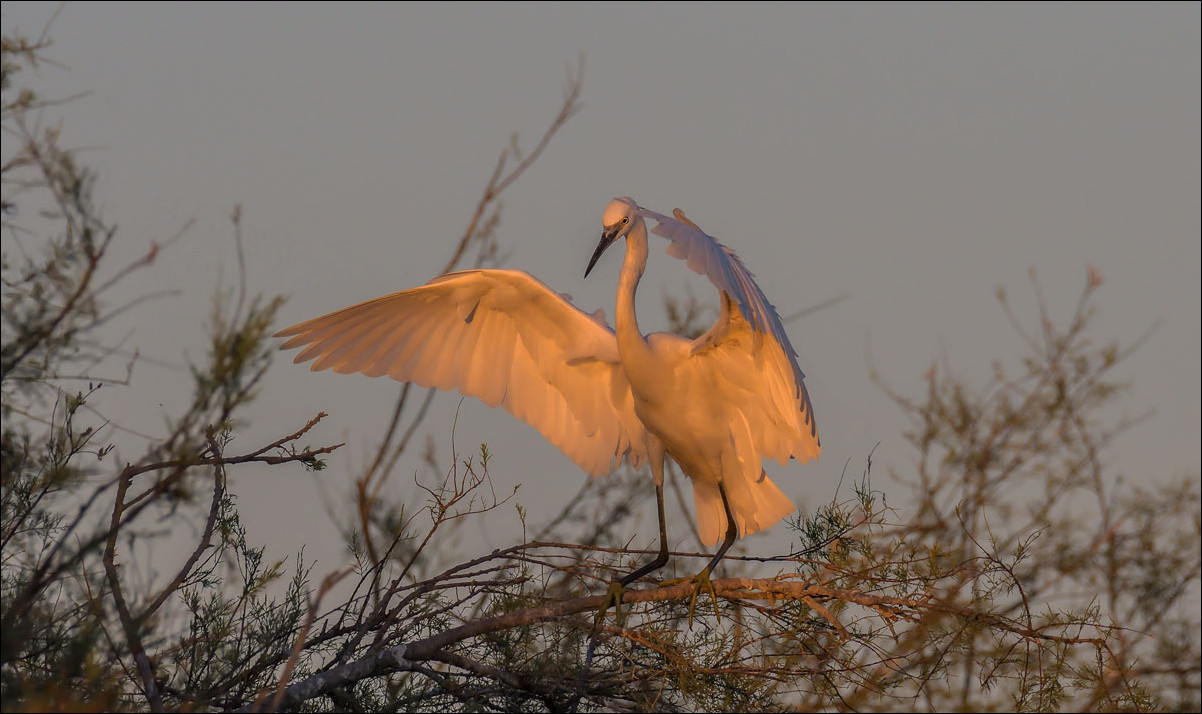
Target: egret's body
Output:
{"points": [[718, 405]]}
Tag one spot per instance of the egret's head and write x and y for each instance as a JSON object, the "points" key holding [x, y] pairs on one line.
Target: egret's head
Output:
{"points": [[620, 216]]}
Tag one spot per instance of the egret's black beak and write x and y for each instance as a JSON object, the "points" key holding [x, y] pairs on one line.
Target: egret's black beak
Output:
{"points": [[607, 239]]}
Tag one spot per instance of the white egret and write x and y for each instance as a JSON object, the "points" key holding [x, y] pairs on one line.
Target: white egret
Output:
{"points": [[718, 405]]}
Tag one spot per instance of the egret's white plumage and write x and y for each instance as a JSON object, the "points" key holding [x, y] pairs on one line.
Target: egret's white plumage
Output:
{"points": [[501, 336], [718, 405]]}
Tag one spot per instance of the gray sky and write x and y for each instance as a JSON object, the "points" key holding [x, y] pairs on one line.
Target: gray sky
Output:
{"points": [[911, 157]]}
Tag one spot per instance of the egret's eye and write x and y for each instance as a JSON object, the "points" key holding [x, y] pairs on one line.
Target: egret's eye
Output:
{"points": [[625, 221]]}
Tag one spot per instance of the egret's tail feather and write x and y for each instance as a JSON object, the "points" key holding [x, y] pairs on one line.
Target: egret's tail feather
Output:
{"points": [[757, 505], [711, 516]]}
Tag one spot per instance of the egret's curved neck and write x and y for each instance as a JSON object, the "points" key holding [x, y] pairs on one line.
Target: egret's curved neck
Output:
{"points": [[637, 358]]}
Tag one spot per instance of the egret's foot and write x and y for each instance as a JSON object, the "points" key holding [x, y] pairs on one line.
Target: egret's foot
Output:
{"points": [[701, 581], [613, 597]]}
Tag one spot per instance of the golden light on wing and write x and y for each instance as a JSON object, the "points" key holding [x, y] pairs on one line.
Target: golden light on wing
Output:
{"points": [[501, 336]]}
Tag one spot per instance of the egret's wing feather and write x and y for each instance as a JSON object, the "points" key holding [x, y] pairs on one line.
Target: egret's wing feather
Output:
{"points": [[705, 255], [749, 341], [758, 382], [501, 336]]}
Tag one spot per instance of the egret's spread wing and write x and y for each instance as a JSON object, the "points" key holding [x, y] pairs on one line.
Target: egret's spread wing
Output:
{"points": [[750, 344], [705, 255], [758, 381], [502, 336]]}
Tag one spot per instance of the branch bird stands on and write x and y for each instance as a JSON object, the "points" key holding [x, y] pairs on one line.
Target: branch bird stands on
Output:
{"points": [[718, 405]]}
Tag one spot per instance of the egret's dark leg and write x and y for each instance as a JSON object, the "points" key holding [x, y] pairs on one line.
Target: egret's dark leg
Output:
{"points": [[703, 578], [618, 587], [662, 559], [732, 530]]}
